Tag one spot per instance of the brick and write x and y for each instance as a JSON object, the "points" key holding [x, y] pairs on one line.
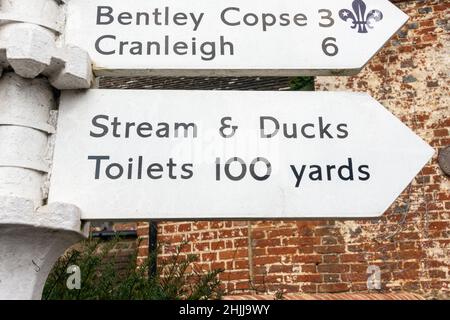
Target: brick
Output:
{"points": [[377, 68], [331, 278], [241, 264], [359, 287], [215, 245], [258, 234], [234, 275], [326, 231], [329, 249], [408, 245], [244, 285], [170, 228], [232, 233], [314, 278], [333, 287], [305, 229], [266, 260], [441, 133], [280, 269], [306, 249], [352, 258], [429, 37], [359, 268], [411, 286], [200, 225], [333, 268], [217, 265], [406, 275], [208, 235], [307, 258], [329, 240], [193, 237], [267, 242], [355, 277], [302, 241], [432, 84], [209, 256], [437, 274], [310, 288], [185, 227], [239, 243], [309, 268], [330, 258], [426, 23], [438, 225], [282, 251], [227, 255], [216, 224], [406, 49], [281, 233], [443, 196]]}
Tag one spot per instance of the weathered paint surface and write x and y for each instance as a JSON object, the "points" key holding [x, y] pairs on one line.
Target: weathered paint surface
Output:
{"points": [[33, 236]]}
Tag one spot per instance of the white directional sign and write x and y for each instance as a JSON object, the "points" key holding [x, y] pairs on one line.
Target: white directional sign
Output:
{"points": [[205, 154], [222, 37]]}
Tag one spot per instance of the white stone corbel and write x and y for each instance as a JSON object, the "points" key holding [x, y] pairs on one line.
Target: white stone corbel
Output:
{"points": [[31, 44]]}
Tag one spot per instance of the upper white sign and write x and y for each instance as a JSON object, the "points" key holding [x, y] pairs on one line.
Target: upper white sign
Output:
{"points": [[238, 37], [124, 154]]}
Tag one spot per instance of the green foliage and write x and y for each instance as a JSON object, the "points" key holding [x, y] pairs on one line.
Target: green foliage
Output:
{"points": [[302, 84], [175, 277]]}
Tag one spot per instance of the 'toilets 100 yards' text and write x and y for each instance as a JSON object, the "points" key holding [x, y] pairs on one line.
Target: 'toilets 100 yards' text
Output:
{"points": [[232, 169]]}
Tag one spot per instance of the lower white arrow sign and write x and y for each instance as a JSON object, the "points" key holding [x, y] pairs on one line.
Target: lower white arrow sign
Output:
{"points": [[204, 154]]}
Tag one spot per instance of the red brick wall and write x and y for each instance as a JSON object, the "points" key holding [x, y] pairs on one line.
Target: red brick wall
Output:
{"points": [[410, 243]]}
